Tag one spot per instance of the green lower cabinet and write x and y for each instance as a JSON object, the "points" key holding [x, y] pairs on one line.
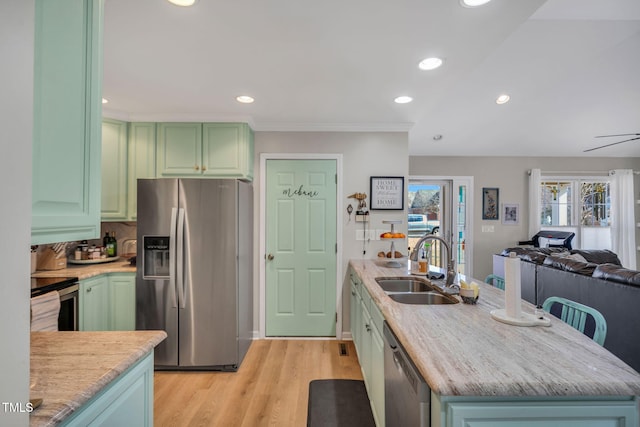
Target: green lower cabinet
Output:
{"points": [[365, 336], [94, 307], [107, 303], [366, 330], [376, 378], [126, 401], [589, 411], [122, 287]]}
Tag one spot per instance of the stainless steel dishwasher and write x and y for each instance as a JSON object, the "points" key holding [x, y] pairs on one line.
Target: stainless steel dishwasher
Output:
{"points": [[407, 395]]}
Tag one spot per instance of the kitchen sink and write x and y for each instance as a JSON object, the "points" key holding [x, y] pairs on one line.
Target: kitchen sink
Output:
{"points": [[414, 290], [404, 284], [424, 298]]}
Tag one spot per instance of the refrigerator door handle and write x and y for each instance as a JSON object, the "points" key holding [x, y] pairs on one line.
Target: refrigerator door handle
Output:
{"points": [[172, 258], [181, 260]]}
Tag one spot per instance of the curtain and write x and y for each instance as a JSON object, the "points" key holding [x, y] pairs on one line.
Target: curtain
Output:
{"points": [[623, 233], [534, 202]]}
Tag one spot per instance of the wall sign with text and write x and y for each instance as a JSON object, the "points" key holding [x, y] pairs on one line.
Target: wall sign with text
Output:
{"points": [[387, 192]]}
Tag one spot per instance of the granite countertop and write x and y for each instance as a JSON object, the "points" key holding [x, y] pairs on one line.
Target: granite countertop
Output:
{"points": [[461, 350], [69, 368], [85, 271]]}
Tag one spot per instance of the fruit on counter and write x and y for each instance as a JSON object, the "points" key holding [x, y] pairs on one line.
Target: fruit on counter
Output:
{"points": [[396, 254], [389, 235], [473, 285]]}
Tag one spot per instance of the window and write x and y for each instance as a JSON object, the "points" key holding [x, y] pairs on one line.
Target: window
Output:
{"points": [[581, 205], [441, 206], [596, 204]]}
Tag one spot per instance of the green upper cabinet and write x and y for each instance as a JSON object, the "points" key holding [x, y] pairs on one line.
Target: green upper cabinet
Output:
{"points": [[128, 153], [222, 150], [114, 170], [67, 120], [141, 162], [179, 149], [227, 150]]}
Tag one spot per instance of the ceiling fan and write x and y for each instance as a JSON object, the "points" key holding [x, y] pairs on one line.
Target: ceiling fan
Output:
{"points": [[636, 135]]}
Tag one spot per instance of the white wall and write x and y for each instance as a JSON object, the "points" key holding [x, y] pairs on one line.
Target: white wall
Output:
{"points": [[365, 154], [509, 174], [16, 111]]}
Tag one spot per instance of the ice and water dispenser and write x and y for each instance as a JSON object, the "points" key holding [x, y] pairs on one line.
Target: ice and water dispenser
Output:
{"points": [[156, 257]]}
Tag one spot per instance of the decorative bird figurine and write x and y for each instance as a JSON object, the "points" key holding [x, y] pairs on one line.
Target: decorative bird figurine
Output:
{"points": [[360, 197]]}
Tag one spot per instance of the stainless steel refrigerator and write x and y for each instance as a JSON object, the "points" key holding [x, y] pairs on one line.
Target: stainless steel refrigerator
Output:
{"points": [[194, 278]]}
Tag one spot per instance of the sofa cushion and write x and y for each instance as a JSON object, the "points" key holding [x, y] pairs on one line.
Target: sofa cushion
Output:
{"points": [[534, 255], [598, 256], [572, 263], [616, 273]]}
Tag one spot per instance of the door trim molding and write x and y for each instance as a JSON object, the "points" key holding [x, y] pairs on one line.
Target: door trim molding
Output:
{"points": [[458, 180], [262, 310]]}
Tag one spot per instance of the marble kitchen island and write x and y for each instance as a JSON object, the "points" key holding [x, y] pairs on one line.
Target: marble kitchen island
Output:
{"points": [[81, 376], [479, 369]]}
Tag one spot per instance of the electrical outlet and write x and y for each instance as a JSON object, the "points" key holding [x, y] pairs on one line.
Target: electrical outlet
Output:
{"points": [[487, 229]]}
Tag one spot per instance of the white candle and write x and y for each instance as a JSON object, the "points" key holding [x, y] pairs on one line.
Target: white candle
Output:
{"points": [[512, 294]]}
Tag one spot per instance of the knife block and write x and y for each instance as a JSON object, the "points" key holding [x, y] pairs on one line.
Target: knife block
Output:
{"points": [[47, 261]]}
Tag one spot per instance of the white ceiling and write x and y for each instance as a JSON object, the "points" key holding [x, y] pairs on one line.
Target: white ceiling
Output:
{"points": [[570, 66]]}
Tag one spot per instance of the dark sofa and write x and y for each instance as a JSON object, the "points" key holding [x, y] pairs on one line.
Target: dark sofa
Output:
{"points": [[594, 278]]}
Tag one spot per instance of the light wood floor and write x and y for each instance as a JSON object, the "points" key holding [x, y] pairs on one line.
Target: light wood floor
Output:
{"points": [[271, 387]]}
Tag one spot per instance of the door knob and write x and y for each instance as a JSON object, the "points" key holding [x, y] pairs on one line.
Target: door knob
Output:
{"points": [[270, 257]]}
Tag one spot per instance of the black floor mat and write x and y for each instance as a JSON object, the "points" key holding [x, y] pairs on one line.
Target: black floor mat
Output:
{"points": [[336, 403]]}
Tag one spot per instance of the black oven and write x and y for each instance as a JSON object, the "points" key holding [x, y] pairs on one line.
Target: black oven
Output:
{"points": [[68, 288]]}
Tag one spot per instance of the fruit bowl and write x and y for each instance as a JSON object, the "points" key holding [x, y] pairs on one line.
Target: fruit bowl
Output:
{"points": [[392, 262], [390, 236]]}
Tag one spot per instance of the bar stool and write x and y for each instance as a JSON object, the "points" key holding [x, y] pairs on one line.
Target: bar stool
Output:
{"points": [[495, 281], [576, 315]]}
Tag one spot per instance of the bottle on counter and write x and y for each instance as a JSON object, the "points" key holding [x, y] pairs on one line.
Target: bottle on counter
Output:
{"points": [[112, 245], [423, 264], [84, 250]]}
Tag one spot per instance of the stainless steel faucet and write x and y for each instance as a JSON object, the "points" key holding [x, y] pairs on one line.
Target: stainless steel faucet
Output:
{"points": [[451, 264]]}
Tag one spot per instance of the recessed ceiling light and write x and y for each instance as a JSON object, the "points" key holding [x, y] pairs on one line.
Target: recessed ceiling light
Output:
{"points": [[437, 137], [503, 99], [403, 99], [104, 100], [245, 99], [430, 64], [473, 3], [183, 2]]}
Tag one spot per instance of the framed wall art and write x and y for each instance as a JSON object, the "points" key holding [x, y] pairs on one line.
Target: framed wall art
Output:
{"points": [[490, 203], [387, 193], [510, 213]]}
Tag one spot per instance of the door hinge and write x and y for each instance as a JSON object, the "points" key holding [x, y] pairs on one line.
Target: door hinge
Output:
{"points": [[336, 178], [336, 317], [336, 248]]}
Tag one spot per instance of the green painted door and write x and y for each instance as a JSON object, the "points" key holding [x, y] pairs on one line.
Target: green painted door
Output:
{"points": [[301, 248]]}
